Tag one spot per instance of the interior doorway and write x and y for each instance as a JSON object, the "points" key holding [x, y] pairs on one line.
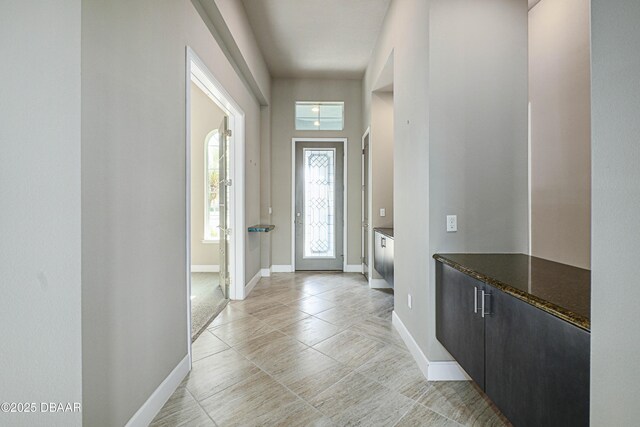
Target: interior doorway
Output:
{"points": [[215, 202], [208, 122], [319, 204]]}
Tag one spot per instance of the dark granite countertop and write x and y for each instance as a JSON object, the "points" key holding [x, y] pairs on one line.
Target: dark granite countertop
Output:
{"points": [[386, 231], [559, 289]]}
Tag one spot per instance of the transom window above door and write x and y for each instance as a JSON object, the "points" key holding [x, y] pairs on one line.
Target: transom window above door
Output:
{"points": [[319, 115]]}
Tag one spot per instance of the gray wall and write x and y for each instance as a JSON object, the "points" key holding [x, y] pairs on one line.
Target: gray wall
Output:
{"points": [[406, 33], [285, 92], [40, 215], [237, 22], [615, 342], [478, 157], [559, 92], [133, 193], [460, 94], [206, 116]]}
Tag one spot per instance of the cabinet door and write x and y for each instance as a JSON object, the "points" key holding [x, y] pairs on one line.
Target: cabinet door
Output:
{"points": [[459, 325], [537, 365], [378, 253], [388, 264]]}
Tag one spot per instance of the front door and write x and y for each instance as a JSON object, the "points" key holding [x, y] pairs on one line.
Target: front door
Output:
{"points": [[319, 206], [224, 191]]}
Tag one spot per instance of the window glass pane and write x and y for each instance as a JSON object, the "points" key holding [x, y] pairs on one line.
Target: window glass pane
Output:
{"points": [[331, 111], [306, 124], [306, 110], [319, 203], [331, 124], [319, 115]]}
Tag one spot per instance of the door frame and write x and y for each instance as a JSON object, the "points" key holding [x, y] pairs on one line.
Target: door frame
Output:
{"points": [[367, 133], [345, 150], [216, 91]]}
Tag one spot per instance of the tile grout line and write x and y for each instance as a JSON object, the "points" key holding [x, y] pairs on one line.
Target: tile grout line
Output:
{"points": [[200, 406], [339, 329], [287, 388]]}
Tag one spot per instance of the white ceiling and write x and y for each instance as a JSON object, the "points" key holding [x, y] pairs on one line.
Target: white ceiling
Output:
{"points": [[316, 38]]}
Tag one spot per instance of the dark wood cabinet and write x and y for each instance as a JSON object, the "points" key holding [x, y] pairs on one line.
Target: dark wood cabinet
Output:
{"points": [[534, 366], [459, 326], [383, 256], [388, 261], [378, 253]]}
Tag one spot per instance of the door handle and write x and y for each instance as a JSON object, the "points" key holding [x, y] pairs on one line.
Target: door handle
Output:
{"points": [[475, 299], [383, 242]]}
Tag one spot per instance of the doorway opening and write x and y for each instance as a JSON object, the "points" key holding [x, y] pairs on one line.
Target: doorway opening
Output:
{"points": [[319, 204], [214, 205]]}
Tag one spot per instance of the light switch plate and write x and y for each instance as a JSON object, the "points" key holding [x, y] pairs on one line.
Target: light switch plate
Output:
{"points": [[383, 212], [409, 302], [452, 223]]}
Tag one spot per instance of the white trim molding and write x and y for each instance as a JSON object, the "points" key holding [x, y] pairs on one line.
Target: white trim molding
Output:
{"points": [[282, 269], [432, 371], [198, 72], [366, 238], [353, 268], [160, 396], [252, 283], [345, 180], [265, 272], [205, 268]]}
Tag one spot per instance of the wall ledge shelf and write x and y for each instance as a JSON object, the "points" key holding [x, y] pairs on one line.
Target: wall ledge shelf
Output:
{"points": [[261, 228]]}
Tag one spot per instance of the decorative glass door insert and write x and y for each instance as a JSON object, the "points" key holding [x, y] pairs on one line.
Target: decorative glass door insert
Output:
{"points": [[319, 203]]}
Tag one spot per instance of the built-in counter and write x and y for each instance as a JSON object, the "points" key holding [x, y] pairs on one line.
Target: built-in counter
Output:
{"points": [[559, 289], [519, 326]]}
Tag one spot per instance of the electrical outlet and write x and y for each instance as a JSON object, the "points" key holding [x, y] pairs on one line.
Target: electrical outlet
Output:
{"points": [[383, 212], [270, 210], [409, 300], [452, 223]]}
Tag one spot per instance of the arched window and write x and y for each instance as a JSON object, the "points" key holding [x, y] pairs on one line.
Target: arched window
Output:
{"points": [[212, 181]]}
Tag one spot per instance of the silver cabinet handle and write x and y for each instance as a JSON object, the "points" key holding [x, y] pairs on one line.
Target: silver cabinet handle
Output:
{"points": [[475, 299], [383, 242]]}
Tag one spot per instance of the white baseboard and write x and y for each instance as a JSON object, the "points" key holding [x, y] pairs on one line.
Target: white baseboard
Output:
{"points": [[432, 371], [252, 283], [353, 268], [282, 268], [205, 268], [379, 284], [265, 272], [159, 397], [447, 371]]}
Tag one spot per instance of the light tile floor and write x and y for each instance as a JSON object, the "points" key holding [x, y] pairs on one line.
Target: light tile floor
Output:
{"points": [[315, 349]]}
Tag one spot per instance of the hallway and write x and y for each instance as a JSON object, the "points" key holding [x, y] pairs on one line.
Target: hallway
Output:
{"points": [[315, 349]]}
